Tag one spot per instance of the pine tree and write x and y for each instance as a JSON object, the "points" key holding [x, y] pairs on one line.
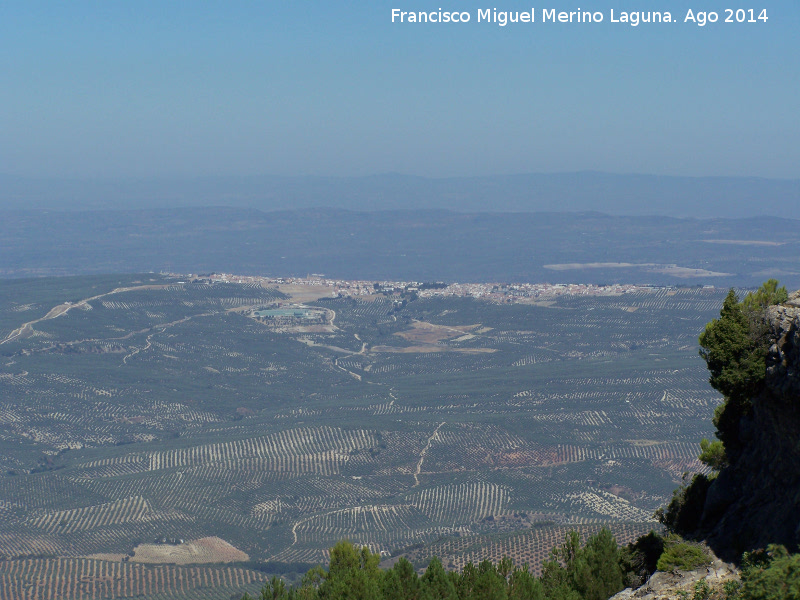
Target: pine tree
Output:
{"points": [[436, 583]]}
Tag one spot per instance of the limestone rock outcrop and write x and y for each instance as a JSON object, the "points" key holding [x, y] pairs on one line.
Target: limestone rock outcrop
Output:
{"points": [[755, 501], [679, 585]]}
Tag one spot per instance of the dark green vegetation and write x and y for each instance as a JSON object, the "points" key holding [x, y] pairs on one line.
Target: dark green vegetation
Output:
{"points": [[593, 571], [683, 556], [404, 245], [735, 350], [770, 574], [160, 413], [734, 347]]}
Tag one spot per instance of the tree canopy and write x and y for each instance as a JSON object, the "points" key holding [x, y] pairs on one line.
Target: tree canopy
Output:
{"points": [[591, 572], [735, 350]]}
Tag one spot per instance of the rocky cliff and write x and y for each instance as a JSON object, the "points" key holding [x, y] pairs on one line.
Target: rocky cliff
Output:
{"points": [[755, 501]]}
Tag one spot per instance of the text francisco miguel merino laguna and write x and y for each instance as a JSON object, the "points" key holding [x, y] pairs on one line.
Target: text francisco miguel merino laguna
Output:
{"points": [[551, 15]]}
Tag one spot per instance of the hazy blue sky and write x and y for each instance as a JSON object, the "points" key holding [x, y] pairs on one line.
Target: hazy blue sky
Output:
{"points": [[141, 88]]}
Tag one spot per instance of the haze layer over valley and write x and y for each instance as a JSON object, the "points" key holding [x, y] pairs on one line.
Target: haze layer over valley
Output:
{"points": [[409, 245]]}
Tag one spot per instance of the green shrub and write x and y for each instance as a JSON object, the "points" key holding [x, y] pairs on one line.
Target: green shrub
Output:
{"points": [[702, 591], [773, 574], [731, 589], [682, 556], [713, 454]]}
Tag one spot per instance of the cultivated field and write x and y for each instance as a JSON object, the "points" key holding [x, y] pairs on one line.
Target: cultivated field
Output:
{"points": [[140, 424], [91, 579]]}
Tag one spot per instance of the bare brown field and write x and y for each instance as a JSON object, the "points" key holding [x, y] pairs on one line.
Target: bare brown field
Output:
{"points": [[428, 333], [204, 550], [305, 293], [313, 329]]}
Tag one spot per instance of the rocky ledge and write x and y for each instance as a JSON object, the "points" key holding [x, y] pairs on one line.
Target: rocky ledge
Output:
{"points": [[680, 585]]}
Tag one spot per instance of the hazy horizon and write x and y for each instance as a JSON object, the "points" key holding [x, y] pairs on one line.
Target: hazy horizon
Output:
{"points": [[642, 195], [109, 90]]}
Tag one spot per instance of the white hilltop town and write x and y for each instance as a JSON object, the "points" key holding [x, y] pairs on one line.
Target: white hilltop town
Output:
{"points": [[504, 293]]}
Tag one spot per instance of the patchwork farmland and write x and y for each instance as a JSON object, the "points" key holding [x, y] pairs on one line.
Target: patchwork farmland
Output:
{"points": [[147, 416]]}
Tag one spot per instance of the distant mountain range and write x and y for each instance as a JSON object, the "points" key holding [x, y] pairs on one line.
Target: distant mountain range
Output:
{"points": [[624, 195]]}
